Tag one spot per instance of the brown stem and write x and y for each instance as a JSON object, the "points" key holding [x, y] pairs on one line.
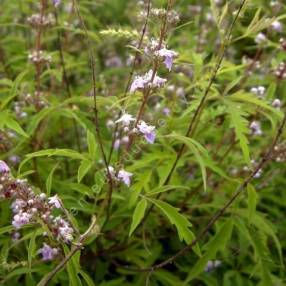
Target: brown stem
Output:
{"points": [[107, 201], [137, 54], [266, 158], [66, 81], [46, 279], [195, 119], [147, 91], [38, 64]]}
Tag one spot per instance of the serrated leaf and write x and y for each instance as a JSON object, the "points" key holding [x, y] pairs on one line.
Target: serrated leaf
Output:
{"points": [[180, 221], [217, 242], [195, 147], [252, 200], [138, 215], [240, 125]]}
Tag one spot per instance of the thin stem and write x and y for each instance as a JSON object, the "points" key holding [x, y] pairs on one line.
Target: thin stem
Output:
{"points": [[195, 119], [147, 91], [137, 54], [38, 64], [107, 201], [73, 251], [266, 158], [65, 80]]}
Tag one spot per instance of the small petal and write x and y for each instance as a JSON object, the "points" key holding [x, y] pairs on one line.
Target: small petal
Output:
{"points": [[4, 168], [125, 177]]}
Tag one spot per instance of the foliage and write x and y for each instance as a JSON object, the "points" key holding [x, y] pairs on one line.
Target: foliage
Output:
{"points": [[145, 140]]}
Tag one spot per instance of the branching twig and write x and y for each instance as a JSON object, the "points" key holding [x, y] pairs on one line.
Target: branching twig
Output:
{"points": [[195, 119], [77, 246], [137, 54], [65, 80], [266, 158], [147, 92], [107, 201]]}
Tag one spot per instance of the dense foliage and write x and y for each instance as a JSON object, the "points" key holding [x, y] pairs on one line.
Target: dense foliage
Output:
{"points": [[142, 142]]}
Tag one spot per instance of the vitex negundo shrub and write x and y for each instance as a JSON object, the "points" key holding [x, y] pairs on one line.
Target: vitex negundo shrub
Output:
{"points": [[142, 142]]}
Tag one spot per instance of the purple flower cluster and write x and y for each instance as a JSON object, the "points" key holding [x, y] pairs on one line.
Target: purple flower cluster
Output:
{"points": [[168, 56], [29, 207], [147, 81], [48, 253], [122, 176]]}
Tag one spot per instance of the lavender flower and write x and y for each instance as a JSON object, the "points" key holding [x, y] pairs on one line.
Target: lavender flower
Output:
{"points": [[148, 131], [116, 144], [4, 169], [21, 219], [125, 176], [56, 3], [48, 253], [168, 56], [211, 265], [166, 111], [259, 91], [260, 38], [255, 128], [125, 119], [277, 26], [28, 207], [276, 103], [55, 202], [141, 82]]}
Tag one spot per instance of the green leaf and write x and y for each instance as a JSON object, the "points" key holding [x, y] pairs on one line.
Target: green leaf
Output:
{"points": [[32, 248], [196, 148], [180, 221], [72, 269], [166, 188], [249, 98], [138, 215], [14, 88], [240, 125], [49, 180], [91, 143], [218, 242], [86, 278], [6, 119], [84, 167], [57, 152], [252, 200], [14, 125]]}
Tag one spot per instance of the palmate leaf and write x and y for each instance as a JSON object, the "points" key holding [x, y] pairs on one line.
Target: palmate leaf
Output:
{"points": [[266, 227], [180, 221], [240, 125]]}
